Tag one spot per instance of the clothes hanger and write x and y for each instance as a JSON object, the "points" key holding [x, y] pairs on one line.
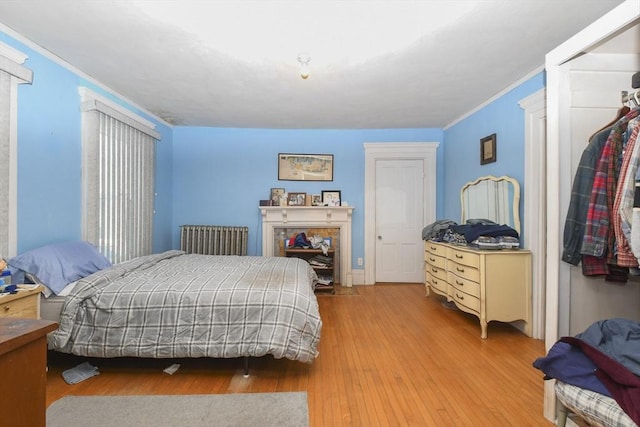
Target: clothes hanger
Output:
{"points": [[623, 111]]}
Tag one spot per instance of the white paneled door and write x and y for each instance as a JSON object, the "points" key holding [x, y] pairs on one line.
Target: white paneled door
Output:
{"points": [[399, 220]]}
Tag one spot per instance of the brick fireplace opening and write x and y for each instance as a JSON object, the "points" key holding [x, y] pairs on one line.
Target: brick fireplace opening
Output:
{"points": [[280, 234], [280, 222]]}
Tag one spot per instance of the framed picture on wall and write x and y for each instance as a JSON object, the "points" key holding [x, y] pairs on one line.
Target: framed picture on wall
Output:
{"points": [[305, 167], [488, 149], [331, 198]]}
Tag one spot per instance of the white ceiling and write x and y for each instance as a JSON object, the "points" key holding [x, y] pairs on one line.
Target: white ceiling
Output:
{"points": [[374, 64]]}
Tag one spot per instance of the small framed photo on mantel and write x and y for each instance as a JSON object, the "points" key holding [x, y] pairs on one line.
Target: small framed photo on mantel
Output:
{"points": [[278, 197], [331, 198], [297, 199]]}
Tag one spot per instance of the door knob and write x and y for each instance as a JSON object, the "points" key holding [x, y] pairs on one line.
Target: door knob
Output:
{"points": [[379, 237]]}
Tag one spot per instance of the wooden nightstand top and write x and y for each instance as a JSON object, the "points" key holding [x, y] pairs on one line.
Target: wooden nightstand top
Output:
{"points": [[23, 291], [15, 332]]}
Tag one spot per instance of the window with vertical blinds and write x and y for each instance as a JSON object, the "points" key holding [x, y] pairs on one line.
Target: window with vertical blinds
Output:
{"points": [[12, 73], [118, 180]]}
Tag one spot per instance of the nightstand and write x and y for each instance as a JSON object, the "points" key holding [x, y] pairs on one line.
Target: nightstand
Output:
{"points": [[23, 369], [24, 304]]}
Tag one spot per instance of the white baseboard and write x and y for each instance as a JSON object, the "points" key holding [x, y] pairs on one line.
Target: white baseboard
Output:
{"points": [[358, 276]]}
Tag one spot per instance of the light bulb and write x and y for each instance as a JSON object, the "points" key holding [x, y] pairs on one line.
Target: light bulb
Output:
{"points": [[304, 70], [304, 59]]}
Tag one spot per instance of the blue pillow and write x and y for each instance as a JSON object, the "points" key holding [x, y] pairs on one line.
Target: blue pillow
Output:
{"points": [[59, 264]]}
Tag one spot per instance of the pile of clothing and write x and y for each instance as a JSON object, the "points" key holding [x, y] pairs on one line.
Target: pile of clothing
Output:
{"points": [[301, 241], [479, 233], [605, 358]]}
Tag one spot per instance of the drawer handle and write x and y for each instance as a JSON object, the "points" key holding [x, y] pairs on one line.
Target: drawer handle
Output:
{"points": [[435, 270], [432, 248], [435, 282], [461, 270], [432, 259], [460, 297], [459, 256], [459, 283], [7, 307]]}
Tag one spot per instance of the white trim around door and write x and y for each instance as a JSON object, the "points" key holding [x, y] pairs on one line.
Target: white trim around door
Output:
{"points": [[535, 218]]}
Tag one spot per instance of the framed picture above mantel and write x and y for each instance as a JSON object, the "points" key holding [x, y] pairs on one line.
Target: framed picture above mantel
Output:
{"points": [[305, 167]]}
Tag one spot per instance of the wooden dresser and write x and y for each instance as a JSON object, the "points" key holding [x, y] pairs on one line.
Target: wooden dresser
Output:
{"points": [[490, 284]]}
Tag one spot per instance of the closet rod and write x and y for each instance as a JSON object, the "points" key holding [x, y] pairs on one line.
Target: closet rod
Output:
{"points": [[633, 96]]}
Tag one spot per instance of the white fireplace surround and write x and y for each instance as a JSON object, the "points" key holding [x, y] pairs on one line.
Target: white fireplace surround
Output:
{"points": [[310, 216]]}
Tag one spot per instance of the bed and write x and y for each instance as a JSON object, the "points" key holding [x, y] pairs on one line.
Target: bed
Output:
{"points": [[596, 409], [597, 373], [179, 305]]}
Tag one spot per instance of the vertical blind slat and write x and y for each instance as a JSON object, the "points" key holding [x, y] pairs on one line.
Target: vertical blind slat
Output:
{"points": [[125, 163]]}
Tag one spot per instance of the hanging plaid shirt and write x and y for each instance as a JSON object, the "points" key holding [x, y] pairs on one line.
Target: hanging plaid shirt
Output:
{"points": [[580, 195], [598, 241], [623, 205]]}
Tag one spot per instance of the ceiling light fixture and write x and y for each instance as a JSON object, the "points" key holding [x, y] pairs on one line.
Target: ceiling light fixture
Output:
{"points": [[304, 59], [353, 40]]}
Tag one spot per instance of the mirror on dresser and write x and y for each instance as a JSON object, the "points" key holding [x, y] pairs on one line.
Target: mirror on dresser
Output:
{"points": [[494, 198]]}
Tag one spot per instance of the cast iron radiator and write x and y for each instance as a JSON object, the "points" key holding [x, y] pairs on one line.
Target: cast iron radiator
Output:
{"points": [[214, 239]]}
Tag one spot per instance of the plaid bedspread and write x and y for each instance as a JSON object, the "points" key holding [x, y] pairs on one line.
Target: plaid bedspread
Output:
{"points": [[173, 305], [595, 408]]}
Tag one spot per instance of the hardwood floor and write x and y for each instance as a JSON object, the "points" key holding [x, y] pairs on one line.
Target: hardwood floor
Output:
{"points": [[389, 356]]}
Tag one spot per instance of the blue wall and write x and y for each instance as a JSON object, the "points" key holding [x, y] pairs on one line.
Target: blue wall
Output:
{"points": [[221, 174], [49, 156], [461, 147], [218, 175]]}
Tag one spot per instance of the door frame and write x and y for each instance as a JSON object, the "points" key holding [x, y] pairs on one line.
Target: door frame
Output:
{"points": [[373, 152], [535, 219], [557, 66]]}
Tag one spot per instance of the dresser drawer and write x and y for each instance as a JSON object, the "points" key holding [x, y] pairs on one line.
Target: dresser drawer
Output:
{"points": [[469, 301], [437, 284], [435, 260], [438, 272], [464, 258], [464, 271], [26, 307], [435, 249], [465, 285]]}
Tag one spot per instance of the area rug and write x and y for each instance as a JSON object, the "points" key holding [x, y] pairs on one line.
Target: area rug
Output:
{"points": [[200, 410]]}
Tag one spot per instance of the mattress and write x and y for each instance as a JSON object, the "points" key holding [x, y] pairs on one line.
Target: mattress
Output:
{"points": [[595, 408], [51, 304], [51, 307]]}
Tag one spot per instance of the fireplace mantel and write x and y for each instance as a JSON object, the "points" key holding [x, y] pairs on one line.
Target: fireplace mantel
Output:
{"points": [[310, 216]]}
